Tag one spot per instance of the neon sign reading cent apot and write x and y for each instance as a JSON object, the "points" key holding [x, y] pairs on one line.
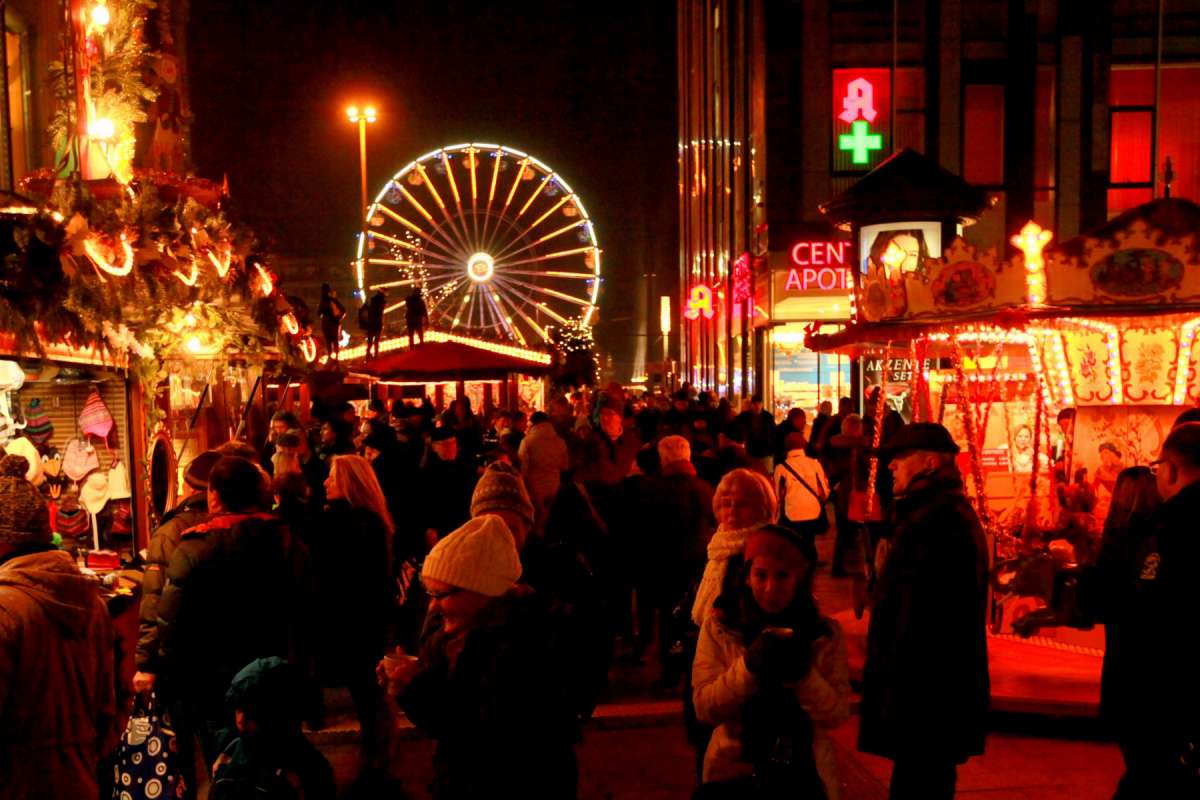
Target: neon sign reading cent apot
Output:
{"points": [[700, 302], [819, 265]]}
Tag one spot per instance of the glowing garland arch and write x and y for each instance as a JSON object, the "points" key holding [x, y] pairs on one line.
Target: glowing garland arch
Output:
{"points": [[501, 244]]}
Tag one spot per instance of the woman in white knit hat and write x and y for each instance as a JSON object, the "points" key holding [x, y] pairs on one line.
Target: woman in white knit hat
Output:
{"points": [[489, 685]]}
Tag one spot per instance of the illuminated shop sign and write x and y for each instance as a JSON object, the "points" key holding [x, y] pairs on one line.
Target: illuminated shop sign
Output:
{"points": [[819, 265], [861, 107], [700, 302]]}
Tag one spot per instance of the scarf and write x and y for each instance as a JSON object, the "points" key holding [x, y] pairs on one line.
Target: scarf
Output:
{"points": [[723, 545]]}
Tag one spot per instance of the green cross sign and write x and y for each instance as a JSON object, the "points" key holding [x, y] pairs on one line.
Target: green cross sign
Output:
{"points": [[860, 142]]}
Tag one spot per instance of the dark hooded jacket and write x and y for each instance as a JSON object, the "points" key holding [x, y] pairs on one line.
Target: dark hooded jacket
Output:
{"points": [[57, 698], [236, 591], [501, 715], [163, 542], [925, 683]]}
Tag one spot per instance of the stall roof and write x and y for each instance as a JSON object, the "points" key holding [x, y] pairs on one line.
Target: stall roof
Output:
{"points": [[450, 361], [907, 186]]}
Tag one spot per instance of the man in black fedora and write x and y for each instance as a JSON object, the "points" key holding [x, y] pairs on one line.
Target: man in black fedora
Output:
{"points": [[925, 684]]}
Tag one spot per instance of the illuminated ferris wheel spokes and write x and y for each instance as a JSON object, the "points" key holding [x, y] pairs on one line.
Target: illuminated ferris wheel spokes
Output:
{"points": [[499, 242]]}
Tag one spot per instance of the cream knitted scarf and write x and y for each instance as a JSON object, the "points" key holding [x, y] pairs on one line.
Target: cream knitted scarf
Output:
{"points": [[723, 545]]}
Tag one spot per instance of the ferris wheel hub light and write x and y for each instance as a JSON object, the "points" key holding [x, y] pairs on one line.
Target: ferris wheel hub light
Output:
{"points": [[480, 267]]}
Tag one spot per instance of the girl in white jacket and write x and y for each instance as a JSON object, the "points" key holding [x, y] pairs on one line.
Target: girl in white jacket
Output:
{"points": [[771, 674]]}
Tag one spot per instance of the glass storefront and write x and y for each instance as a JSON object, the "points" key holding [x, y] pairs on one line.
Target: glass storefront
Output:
{"points": [[804, 379]]}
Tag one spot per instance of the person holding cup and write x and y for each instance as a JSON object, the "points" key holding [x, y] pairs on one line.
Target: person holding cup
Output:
{"points": [[490, 686], [771, 674]]}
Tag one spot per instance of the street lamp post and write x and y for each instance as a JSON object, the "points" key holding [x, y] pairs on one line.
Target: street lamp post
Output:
{"points": [[362, 117]]}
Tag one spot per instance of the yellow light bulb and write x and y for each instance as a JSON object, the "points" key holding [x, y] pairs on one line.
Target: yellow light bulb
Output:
{"points": [[352, 113], [193, 344], [102, 129], [100, 15]]}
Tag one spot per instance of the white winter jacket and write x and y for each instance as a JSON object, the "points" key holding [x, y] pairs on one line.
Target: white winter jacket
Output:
{"points": [[721, 683]]}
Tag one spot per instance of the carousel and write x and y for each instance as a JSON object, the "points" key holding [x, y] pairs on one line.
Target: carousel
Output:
{"points": [[1054, 368]]}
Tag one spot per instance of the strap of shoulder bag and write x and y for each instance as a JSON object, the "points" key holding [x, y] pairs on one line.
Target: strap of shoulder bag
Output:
{"points": [[819, 495]]}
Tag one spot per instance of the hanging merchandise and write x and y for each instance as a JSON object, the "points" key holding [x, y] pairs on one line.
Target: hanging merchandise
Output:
{"points": [[38, 426], [23, 447], [71, 521], [12, 377], [93, 495], [122, 517], [95, 419], [79, 458], [118, 481]]}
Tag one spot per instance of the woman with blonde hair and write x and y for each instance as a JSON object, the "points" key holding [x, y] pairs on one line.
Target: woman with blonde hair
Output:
{"points": [[744, 501], [355, 595]]}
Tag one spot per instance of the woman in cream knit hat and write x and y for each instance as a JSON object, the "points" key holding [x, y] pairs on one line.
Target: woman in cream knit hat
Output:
{"points": [[490, 686]]}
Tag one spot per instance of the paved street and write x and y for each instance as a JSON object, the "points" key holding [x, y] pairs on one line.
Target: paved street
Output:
{"points": [[636, 747]]}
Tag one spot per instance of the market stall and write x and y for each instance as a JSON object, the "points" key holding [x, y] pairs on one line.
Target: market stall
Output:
{"points": [[491, 374], [1054, 368]]}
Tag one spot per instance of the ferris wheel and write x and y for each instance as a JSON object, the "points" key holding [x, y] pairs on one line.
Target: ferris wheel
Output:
{"points": [[498, 241]]}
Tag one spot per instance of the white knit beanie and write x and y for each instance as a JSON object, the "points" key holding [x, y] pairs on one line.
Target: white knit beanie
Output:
{"points": [[480, 557]]}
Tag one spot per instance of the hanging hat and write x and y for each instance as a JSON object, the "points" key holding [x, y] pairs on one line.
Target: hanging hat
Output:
{"points": [[94, 493], [79, 459], [95, 419], [38, 426], [500, 488], [71, 520], [118, 482], [24, 448], [23, 513], [479, 557]]}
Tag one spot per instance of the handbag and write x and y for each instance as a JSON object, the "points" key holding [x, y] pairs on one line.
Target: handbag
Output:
{"points": [[812, 527], [147, 759], [858, 510]]}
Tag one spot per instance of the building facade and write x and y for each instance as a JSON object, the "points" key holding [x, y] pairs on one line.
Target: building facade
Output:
{"points": [[1066, 113]]}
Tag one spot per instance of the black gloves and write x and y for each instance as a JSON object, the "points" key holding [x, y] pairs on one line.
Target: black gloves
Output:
{"points": [[779, 659]]}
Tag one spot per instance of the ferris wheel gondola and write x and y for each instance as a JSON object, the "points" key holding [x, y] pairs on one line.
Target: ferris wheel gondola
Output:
{"points": [[499, 242]]}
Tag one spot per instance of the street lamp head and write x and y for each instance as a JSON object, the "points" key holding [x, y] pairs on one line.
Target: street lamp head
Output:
{"points": [[356, 114], [102, 129]]}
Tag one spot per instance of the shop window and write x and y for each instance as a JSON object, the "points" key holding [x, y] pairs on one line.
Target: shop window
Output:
{"points": [[17, 125], [804, 379], [1133, 158], [983, 135]]}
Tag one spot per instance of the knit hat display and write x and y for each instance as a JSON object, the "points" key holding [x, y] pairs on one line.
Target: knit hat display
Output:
{"points": [[95, 419], [197, 472], [26, 449], [24, 516], [71, 520], [480, 557], [118, 482], [674, 448], [38, 426], [79, 459], [94, 493], [501, 488], [782, 544]]}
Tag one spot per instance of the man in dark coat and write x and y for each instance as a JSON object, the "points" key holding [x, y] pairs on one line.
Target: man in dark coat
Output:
{"points": [[759, 426], [416, 316], [925, 683], [235, 592], [446, 482]]}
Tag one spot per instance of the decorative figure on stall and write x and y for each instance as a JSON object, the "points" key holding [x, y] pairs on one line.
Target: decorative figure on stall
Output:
{"points": [[167, 113], [331, 312], [370, 319], [416, 316]]}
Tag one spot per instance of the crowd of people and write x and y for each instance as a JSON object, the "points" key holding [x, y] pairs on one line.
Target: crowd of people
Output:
{"points": [[482, 574]]}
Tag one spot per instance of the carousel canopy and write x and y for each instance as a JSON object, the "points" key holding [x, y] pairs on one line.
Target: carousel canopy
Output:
{"points": [[907, 186]]}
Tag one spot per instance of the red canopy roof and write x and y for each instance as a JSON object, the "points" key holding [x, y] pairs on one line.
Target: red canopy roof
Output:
{"points": [[450, 361]]}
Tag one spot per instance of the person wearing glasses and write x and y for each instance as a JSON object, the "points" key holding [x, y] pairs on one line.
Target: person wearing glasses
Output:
{"points": [[490, 685], [1145, 588]]}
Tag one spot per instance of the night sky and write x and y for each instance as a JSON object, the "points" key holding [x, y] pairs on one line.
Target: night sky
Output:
{"points": [[587, 88]]}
